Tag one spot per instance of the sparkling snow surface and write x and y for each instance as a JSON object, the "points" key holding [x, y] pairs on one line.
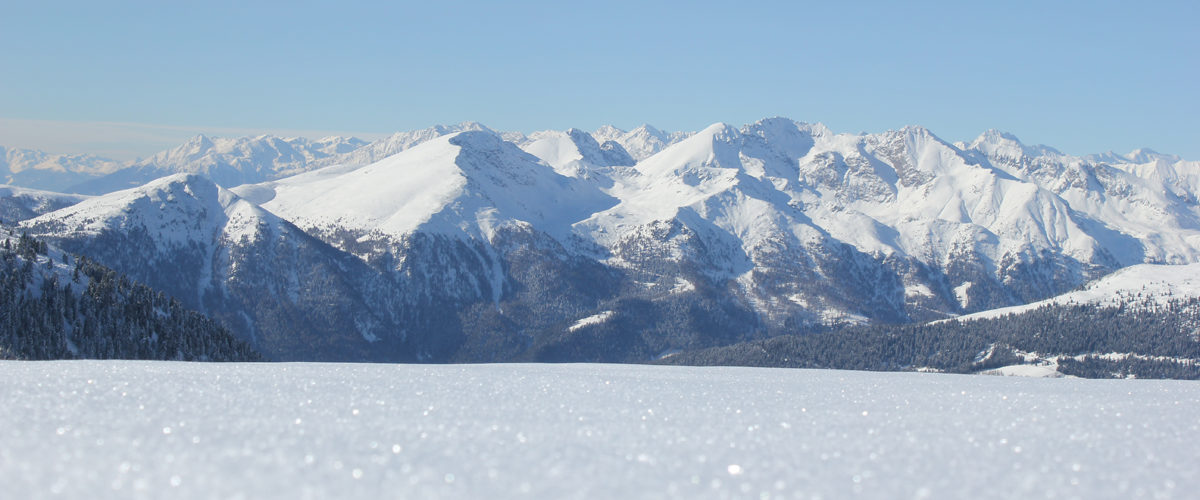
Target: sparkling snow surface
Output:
{"points": [[105, 429]]}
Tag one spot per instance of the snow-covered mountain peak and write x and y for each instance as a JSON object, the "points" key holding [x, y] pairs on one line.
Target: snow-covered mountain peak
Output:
{"points": [[917, 131], [998, 144], [336, 144], [782, 140], [717, 146], [779, 125], [915, 140], [648, 130], [575, 153], [1137, 156], [168, 189], [1147, 155], [468, 184], [476, 139], [720, 131], [261, 276], [641, 142], [486, 153], [395, 143], [449, 129], [196, 145], [171, 210], [996, 136], [471, 125], [608, 131]]}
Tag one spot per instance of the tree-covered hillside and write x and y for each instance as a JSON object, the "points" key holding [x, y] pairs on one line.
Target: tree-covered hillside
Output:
{"points": [[56, 306], [1146, 339]]}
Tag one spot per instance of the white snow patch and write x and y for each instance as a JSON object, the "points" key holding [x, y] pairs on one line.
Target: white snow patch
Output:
{"points": [[918, 290], [834, 316], [682, 286], [668, 353], [594, 319], [1049, 370], [962, 293]]}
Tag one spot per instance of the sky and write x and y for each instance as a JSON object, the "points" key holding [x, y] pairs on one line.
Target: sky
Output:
{"points": [[130, 78]]}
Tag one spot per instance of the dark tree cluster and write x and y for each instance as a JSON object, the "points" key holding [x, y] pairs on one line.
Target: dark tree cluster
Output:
{"points": [[1136, 367], [1161, 339], [77, 309]]}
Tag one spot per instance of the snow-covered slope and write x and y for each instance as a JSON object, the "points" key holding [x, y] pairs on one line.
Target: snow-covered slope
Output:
{"points": [[816, 227], [1148, 211], [228, 161], [395, 143], [963, 228], [1129, 287], [18, 204], [96, 430], [467, 224], [287, 293], [40, 170], [710, 208], [575, 153], [467, 183]]}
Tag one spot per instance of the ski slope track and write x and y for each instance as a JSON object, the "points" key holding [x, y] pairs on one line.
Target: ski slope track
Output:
{"points": [[118, 429]]}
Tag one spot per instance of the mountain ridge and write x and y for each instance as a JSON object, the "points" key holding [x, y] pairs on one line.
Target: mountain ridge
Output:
{"points": [[272, 284], [468, 244]]}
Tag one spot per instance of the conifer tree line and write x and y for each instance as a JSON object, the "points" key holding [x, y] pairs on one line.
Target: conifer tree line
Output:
{"points": [[1153, 339], [73, 308]]}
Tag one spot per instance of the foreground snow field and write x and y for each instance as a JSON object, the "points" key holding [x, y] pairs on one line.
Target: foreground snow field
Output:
{"points": [[118, 429]]}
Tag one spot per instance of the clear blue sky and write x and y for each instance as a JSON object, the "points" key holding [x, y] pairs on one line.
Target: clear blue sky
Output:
{"points": [[1080, 76]]}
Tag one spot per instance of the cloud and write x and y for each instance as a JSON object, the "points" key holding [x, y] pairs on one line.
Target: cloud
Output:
{"points": [[128, 141]]}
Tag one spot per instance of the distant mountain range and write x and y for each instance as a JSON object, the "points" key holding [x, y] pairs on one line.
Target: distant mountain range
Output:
{"points": [[240, 160], [460, 243], [39, 170]]}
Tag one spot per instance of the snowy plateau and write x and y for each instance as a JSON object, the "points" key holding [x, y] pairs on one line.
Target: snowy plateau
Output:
{"points": [[460, 243], [136, 429]]}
